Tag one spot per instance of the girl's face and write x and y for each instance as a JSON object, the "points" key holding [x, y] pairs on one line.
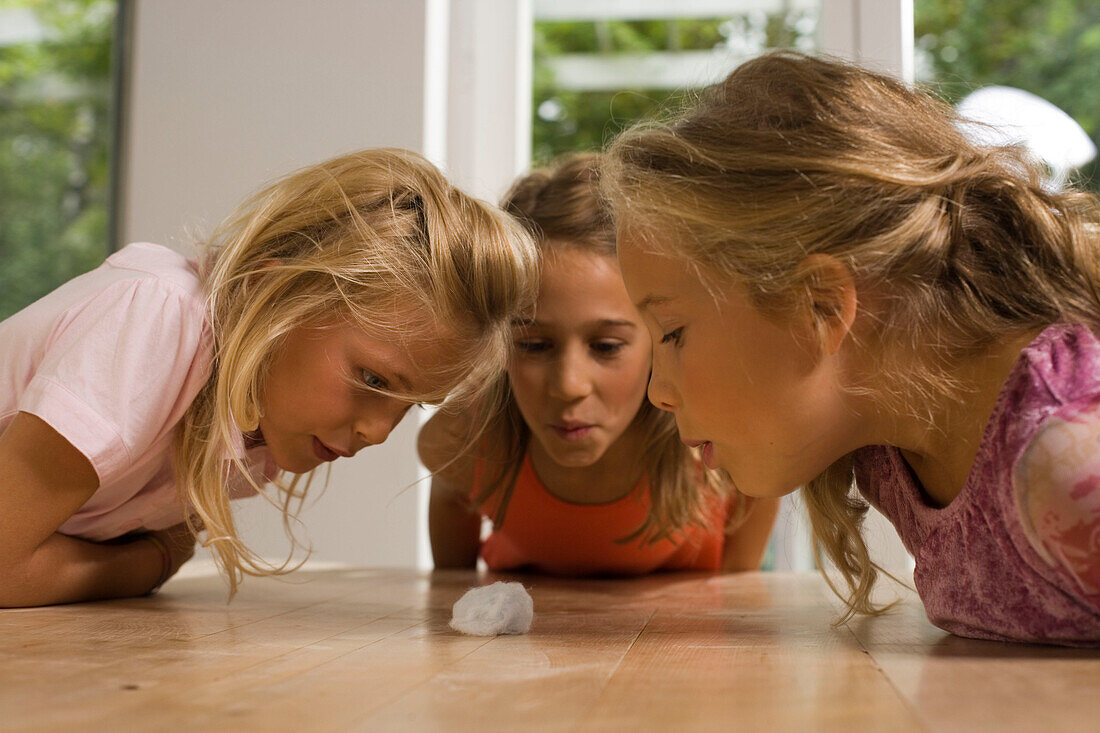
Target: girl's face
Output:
{"points": [[317, 404], [580, 368], [760, 399]]}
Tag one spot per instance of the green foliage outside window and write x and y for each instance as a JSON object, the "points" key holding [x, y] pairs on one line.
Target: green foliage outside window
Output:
{"points": [[1050, 48], [55, 103], [55, 141], [567, 120]]}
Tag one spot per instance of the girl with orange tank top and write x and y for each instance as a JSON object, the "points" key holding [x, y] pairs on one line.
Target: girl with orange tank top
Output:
{"points": [[576, 471]]}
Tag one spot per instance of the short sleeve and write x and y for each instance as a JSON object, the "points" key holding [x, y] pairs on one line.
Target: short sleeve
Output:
{"points": [[120, 369], [1057, 486]]}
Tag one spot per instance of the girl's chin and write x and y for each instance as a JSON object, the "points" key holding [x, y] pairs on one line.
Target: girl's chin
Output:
{"points": [[297, 466], [574, 456], [758, 489], [293, 464]]}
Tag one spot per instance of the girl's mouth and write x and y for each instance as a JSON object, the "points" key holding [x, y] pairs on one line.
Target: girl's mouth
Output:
{"points": [[323, 452], [707, 452], [572, 431]]}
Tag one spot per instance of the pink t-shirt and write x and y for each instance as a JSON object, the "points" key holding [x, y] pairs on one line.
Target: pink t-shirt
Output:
{"points": [[111, 360], [1016, 555]]}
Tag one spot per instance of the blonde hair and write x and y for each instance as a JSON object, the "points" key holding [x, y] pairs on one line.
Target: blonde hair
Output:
{"points": [[376, 238], [561, 207], [958, 246]]}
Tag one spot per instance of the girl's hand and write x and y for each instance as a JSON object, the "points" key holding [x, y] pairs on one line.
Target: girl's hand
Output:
{"points": [[179, 542]]}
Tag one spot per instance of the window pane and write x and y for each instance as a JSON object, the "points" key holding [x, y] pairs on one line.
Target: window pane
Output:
{"points": [[55, 143], [1050, 49], [596, 74]]}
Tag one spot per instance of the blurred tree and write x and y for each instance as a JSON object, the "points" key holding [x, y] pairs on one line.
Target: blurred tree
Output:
{"points": [[55, 140], [1050, 48], [566, 120]]}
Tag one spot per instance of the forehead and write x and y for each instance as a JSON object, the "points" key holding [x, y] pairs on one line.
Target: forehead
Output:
{"points": [[562, 265], [581, 283], [652, 277]]}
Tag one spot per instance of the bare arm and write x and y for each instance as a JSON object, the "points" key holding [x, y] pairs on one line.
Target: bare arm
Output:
{"points": [[744, 547], [454, 527], [43, 481]]}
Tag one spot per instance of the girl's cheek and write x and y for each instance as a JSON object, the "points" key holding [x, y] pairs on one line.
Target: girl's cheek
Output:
{"points": [[628, 384], [528, 381]]}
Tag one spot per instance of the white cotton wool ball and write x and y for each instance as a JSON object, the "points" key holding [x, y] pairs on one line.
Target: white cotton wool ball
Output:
{"points": [[500, 608]]}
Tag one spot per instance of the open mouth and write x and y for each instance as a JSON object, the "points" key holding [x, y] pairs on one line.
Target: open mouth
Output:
{"points": [[323, 452], [707, 453], [706, 450]]}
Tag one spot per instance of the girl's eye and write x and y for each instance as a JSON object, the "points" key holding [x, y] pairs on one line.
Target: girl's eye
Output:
{"points": [[532, 346], [607, 348], [373, 381], [674, 337]]}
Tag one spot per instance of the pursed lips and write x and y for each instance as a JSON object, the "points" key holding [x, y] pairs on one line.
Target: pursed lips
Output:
{"points": [[572, 429]]}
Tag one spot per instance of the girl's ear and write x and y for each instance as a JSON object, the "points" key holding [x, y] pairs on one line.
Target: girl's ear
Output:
{"points": [[831, 292]]}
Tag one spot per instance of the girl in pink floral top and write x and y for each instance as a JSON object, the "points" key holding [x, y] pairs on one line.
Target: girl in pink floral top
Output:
{"points": [[845, 294]]}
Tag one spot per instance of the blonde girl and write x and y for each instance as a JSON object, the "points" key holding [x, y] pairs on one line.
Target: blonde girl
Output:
{"points": [[139, 398], [578, 473], [846, 292]]}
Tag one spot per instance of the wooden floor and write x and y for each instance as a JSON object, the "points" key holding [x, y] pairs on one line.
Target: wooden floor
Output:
{"points": [[367, 649]]}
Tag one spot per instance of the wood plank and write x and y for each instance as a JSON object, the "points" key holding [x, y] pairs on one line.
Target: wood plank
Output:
{"points": [[547, 679], [370, 649], [751, 653], [958, 684]]}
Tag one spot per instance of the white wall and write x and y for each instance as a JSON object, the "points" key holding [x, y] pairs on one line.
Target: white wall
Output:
{"points": [[224, 95], [489, 102]]}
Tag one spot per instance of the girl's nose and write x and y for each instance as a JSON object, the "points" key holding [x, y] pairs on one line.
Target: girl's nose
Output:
{"points": [[661, 391], [372, 428], [570, 380]]}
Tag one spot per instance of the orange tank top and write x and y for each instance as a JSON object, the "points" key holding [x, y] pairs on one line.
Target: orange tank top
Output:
{"points": [[544, 533]]}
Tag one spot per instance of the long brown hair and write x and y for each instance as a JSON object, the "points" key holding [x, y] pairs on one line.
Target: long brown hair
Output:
{"points": [[960, 246], [377, 238], [561, 206]]}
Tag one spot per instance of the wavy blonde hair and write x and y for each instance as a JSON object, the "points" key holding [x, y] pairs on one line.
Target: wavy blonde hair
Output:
{"points": [[958, 246], [376, 238], [561, 207]]}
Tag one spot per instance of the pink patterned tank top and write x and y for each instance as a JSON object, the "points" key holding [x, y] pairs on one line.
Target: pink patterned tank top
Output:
{"points": [[1016, 555]]}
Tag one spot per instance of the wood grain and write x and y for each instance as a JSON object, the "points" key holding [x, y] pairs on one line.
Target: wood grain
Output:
{"points": [[370, 649]]}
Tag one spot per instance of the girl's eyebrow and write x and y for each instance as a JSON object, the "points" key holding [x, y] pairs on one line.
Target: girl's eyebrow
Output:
{"points": [[651, 300], [610, 322], [598, 323], [404, 381]]}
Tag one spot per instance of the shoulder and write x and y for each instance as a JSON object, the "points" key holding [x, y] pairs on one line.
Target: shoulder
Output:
{"points": [[1057, 492], [1062, 366], [152, 268], [143, 300], [445, 447], [129, 286], [133, 283]]}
